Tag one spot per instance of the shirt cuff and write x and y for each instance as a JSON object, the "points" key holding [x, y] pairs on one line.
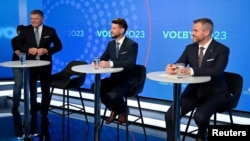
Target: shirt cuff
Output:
{"points": [[191, 71], [111, 63]]}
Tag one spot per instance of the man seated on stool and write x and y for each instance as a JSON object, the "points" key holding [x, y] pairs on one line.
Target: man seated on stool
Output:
{"points": [[114, 88], [205, 97]]}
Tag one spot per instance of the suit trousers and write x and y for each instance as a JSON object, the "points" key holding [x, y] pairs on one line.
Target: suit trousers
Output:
{"points": [[43, 74], [205, 108], [18, 84], [112, 94]]}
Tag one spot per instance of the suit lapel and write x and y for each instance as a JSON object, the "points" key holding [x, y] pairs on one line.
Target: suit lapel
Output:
{"points": [[42, 35], [208, 53], [123, 45]]}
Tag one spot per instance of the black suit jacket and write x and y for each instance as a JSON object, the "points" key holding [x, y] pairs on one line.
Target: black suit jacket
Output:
{"points": [[213, 64], [49, 40], [14, 48], [127, 59]]}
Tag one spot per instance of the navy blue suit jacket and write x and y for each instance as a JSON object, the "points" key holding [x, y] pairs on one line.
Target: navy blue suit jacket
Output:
{"points": [[127, 59], [213, 64]]}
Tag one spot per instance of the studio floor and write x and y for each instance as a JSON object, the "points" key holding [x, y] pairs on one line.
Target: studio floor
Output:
{"points": [[78, 129], [153, 115]]}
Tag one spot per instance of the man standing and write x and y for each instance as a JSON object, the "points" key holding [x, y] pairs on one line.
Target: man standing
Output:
{"points": [[17, 74], [18, 84], [39, 42], [120, 52], [206, 57]]}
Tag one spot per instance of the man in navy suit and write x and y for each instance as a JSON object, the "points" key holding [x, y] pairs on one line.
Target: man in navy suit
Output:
{"points": [[114, 88], [207, 97], [41, 48]]}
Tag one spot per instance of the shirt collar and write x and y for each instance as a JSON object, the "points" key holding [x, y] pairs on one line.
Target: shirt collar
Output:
{"points": [[206, 45], [121, 40], [40, 28]]}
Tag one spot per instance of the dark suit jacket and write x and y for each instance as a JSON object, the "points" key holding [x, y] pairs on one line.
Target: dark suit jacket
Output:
{"points": [[127, 59], [213, 64], [48, 40], [14, 48]]}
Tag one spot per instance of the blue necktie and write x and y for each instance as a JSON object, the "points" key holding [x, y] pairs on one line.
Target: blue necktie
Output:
{"points": [[117, 50]]}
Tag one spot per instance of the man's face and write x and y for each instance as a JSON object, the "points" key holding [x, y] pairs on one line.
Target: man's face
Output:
{"points": [[198, 33], [116, 31], [36, 20]]}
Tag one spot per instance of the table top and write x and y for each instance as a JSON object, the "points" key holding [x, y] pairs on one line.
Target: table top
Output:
{"points": [[29, 63], [90, 69], [162, 76]]}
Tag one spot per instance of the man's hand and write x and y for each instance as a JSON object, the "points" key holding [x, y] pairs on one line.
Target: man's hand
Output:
{"points": [[171, 69], [17, 52], [186, 71], [33, 51], [42, 51], [104, 64]]}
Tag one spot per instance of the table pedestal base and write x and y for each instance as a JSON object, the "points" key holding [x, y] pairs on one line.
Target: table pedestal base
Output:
{"points": [[30, 138]]}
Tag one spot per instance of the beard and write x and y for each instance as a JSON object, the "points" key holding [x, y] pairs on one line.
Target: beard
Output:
{"points": [[114, 36], [196, 39]]}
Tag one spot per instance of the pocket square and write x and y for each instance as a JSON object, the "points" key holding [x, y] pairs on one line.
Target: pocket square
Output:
{"points": [[123, 52], [46, 36], [210, 59]]}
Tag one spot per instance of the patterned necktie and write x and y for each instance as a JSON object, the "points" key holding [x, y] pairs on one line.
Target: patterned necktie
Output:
{"points": [[200, 57], [37, 41], [117, 49]]}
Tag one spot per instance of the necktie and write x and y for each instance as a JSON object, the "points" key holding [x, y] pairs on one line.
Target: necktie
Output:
{"points": [[37, 36], [200, 57], [117, 50], [37, 41]]}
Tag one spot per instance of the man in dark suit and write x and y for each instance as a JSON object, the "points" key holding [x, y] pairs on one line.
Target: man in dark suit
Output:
{"points": [[41, 47], [207, 97], [18, 84], [114, 88], [17, 74]]}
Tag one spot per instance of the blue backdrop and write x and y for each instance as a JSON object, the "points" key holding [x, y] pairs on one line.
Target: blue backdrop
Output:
{"points": [[162, 29]]}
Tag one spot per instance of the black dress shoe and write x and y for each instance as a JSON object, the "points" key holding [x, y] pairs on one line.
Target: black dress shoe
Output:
{"points": [[45, 121]]}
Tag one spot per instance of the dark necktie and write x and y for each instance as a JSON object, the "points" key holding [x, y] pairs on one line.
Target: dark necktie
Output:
{"points": [[117, 49], [37, 41], [200, 57]]}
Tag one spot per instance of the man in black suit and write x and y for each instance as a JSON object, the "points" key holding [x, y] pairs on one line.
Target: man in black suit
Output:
{"points": [[17, 74], [207, 97], [18, 84], [41, 47], [114, 88]]}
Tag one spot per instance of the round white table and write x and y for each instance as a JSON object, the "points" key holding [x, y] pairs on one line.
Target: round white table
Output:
{"points": [[26, 66], [97, 84], [162, 76]]}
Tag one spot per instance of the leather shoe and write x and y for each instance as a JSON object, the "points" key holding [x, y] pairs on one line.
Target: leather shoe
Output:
{"points": [[111, 117], [122, 118]]}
